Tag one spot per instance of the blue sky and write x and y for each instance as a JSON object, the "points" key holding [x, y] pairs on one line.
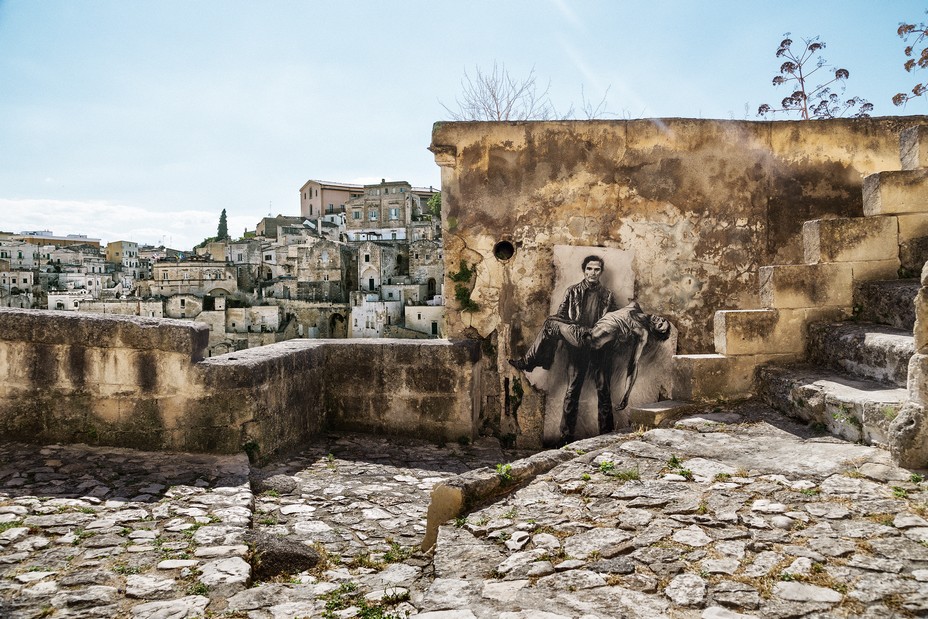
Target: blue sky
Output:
{"points": [[143, 120]]}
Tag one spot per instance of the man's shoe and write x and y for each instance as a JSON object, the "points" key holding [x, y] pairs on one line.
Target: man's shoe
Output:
{"points": [[520, 365]]}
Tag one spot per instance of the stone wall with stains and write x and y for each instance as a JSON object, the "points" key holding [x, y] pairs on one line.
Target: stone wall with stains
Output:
{"points": [[701, 204], [144, 382]]}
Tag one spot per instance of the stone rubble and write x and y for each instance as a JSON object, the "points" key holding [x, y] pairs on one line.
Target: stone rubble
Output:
{"points": [[753, 516]]}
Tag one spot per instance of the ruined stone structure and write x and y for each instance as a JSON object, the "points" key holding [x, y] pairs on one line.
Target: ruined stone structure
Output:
{"points": [[703, 207]]}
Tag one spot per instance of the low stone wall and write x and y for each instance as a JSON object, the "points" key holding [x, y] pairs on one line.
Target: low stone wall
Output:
{"points": [[143, 382]]}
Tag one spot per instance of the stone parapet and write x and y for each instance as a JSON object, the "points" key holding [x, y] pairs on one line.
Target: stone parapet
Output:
{"points": [[93, 381], [50, 327]]}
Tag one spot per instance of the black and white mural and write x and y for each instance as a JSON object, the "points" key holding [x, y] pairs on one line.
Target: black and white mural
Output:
{"points": [[599, 351]]}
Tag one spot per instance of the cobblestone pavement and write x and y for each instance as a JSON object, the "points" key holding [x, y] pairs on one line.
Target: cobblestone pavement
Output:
{"points": [[728, 514]]}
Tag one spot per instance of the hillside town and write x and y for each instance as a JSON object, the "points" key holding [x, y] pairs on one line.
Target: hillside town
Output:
{"points": [[359, 261]]}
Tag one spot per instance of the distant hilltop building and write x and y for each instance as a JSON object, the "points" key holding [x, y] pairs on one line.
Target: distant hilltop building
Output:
{"points": [[45, 237], [387, 211]]}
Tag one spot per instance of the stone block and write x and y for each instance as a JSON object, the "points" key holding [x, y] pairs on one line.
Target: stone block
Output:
{"points": [[850, 239], [912, 255], [894, 192], [912, 226], [911, 153], [742, 332], [889, 302], [805, 285], [920, 331], [656, 413], [872, 270], [712, 377], [918, 379], [908, 437], [770, 332], [104, 331]]}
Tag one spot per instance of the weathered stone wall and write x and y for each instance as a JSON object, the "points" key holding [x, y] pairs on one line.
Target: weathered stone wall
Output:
{"points": [[98, 379], [701, 205], [143, 382]]}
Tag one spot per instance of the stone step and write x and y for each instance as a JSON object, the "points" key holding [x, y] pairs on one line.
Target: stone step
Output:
{"points": [[869, 244], [888, 302], [657, 414], [854, 409], [863, 349], [896, 192]]}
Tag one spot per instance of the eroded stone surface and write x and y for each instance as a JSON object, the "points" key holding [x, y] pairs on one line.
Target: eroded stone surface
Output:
{"points": [[123, 533]]}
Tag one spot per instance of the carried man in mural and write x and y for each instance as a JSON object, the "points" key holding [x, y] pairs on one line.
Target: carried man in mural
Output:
{"points": [[594, 330]]}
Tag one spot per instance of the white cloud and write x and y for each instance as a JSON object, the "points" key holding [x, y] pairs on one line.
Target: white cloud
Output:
{"points": [[108, 221]]}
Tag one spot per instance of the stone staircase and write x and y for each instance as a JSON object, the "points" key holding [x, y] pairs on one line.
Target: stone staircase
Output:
{"points": [[833, 337], [854, 380]]}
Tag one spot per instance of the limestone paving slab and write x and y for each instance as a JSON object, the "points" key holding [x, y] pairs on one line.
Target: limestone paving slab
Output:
{"points": [[673, 522]]}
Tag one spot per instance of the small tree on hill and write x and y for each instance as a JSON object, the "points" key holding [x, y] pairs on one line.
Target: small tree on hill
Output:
{"points": [[808, 100], [916, 58], [222, 233]]}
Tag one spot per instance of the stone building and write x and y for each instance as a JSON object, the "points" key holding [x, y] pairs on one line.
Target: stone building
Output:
{"points": [[370, 315], [426, 264], [383, 212], [377, 263], [318, 198], [269, 227], [325, 271], [21, 255], [428, 319], [197, 277]]}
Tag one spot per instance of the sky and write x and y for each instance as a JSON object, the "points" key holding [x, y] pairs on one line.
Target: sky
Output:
{"points": [[143, 120]]}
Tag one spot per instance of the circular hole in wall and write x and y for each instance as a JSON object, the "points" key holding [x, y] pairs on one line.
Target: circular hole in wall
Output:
{"points": [[504, 250]]}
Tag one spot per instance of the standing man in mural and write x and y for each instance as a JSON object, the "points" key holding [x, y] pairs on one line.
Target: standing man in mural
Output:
{"points": [[583, 305]]}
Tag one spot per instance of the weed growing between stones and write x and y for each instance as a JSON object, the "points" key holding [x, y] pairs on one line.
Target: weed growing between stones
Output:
{"points": [[900, 493], [504, 472], [915, 478], [396, 553], [10, 525], [347, 597]]}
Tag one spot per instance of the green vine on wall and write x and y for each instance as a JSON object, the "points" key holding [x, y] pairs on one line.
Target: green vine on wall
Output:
{"points": [[462, 288]]}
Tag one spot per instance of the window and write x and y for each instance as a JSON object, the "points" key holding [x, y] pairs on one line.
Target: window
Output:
{"points": [[356, 215], [164, 274], [418, 316], [434, 328], [367, 257], [183, 302], [372, 216], [331, 207], [239, 259], [393, 235], [268, 257], [390, 295], [394, 213]]}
